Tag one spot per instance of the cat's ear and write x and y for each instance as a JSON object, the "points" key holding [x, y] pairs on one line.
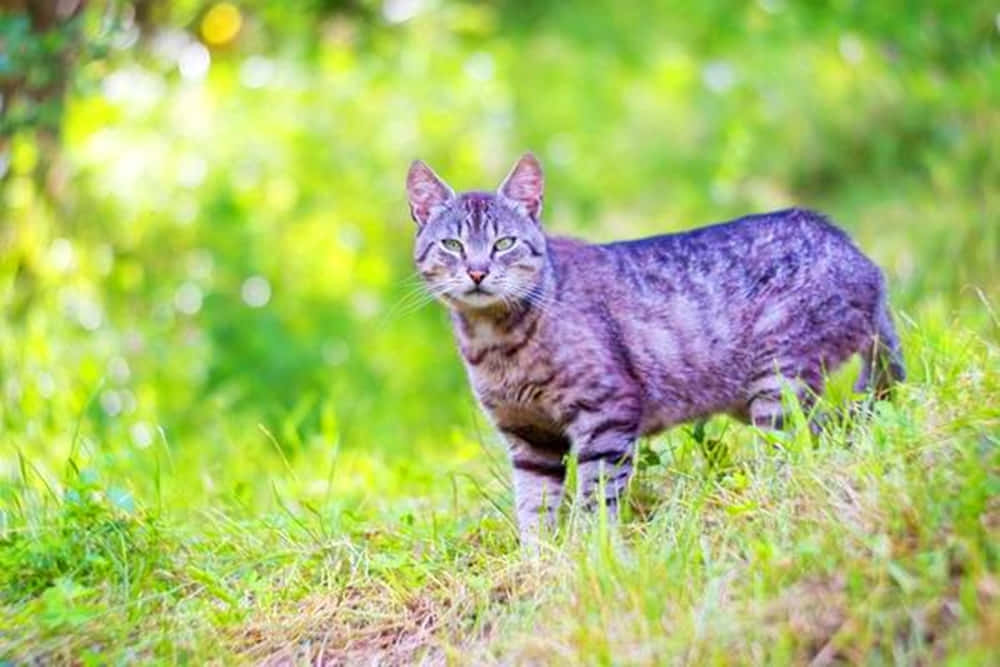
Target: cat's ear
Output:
{"points": [[523, 186], [427, 193]]}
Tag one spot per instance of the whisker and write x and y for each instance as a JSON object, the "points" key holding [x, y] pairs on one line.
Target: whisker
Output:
{"points": [[416, 299], [411, 278], [414, 296], [528, 294]]}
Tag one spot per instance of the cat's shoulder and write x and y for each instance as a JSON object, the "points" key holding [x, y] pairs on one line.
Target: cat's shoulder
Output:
{"points": [[567, 247]]}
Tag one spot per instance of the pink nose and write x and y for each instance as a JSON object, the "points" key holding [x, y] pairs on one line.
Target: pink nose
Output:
{"points": [[477, 276]]}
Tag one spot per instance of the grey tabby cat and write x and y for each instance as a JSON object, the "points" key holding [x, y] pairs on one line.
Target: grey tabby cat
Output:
{"points": [[579, 348]]}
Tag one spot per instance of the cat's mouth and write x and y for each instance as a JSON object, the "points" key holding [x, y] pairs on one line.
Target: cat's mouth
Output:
{"points": [[477, 297]]}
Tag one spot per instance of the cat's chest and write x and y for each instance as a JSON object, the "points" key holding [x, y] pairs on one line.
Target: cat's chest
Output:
{"points": [[524, 385], [511, 370]]}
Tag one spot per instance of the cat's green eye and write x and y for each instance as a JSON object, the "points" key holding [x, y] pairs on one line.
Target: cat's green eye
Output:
{"points": [[506, 243], [452, 244]]}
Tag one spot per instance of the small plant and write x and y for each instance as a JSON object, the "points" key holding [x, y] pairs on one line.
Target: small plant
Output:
{"points": [[715, 449], [91, 537]]}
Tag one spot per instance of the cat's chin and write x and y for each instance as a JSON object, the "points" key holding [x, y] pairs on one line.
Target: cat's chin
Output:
{"points": [[472, 301]]}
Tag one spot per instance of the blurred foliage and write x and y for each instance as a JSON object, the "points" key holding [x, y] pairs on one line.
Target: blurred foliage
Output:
{"points": [[38, 47], [219, 264]]}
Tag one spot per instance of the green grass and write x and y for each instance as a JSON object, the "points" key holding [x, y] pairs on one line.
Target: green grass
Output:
{"points": [[876, 542]]}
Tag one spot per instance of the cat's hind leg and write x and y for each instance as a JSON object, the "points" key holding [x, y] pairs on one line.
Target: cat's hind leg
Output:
{"points": [[881, 359], [765, 406]]}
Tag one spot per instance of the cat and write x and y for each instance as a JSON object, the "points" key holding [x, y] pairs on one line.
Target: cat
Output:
{"points": [[574, 348]]}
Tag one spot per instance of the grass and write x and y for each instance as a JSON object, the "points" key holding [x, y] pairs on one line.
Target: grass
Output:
{"points": [[876, 542]]}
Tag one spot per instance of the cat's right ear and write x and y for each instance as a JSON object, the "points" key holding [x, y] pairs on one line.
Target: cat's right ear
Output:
{"points": [[427, 193]]}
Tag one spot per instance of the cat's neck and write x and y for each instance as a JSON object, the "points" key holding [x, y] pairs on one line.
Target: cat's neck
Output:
{"points": [[495, 322]]}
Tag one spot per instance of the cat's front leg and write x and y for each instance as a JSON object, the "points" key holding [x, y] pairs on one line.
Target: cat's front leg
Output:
{"points": [[539, 473], [604, 449]]}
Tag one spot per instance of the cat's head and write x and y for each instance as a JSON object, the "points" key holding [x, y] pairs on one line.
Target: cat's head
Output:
{"points": [[479, 250]]}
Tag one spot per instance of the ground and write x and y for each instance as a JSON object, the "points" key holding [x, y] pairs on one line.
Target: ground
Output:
{"points": [[875, 542]]}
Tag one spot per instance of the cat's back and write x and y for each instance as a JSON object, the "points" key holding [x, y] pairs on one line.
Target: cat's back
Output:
{"points": [[741, 257], [738, 243]]}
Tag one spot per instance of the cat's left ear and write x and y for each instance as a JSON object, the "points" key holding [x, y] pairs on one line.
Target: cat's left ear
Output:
{"points": [[523, 186]]}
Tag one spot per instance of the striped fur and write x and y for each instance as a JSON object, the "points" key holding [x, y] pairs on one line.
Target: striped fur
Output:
{"points": [[579, 349]]}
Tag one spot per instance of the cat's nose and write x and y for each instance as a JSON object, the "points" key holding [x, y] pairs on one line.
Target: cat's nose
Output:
{"points": [[477, 276]]}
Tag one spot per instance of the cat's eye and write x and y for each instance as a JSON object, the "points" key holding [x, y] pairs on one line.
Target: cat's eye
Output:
{"points": [[452, 244], [506, 243]]}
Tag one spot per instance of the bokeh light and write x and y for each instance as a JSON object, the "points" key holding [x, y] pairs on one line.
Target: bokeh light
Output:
{"points": [[221, 24], [256, 291], [194, 61], [188, 298], [398, 11]]}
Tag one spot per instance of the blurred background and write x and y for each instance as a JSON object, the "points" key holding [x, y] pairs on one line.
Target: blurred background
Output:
{"points": [[205, 246]]}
